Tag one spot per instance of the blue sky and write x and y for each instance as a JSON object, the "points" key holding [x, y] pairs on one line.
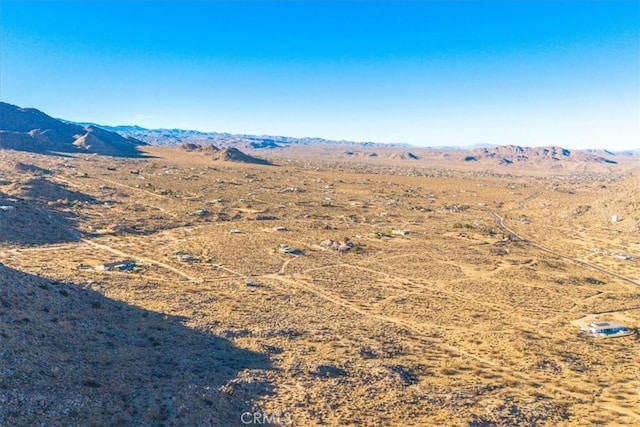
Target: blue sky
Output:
{"points": [[422, 72]]}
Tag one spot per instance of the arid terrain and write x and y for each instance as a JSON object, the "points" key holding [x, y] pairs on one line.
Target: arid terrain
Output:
{"points": [[417, 290]]}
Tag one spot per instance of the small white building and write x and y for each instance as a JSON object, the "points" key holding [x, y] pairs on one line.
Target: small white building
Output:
{"points": [[614, 218], [607, 329]]}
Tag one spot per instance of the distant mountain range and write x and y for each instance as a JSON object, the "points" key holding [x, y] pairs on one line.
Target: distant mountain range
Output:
{"points": [[613, 153], [510, 154], [462, 147], [175, 137], [28, 129]]}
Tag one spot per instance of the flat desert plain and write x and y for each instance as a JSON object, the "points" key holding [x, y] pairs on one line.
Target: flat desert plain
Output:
{"points": [[458, 303]]}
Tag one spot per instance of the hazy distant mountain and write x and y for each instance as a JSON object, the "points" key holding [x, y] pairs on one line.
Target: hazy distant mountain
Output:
{"points": [[176, 137], [505, 155], [123, 128], [28, 129], [635, 152], [463, 147], [510, 154], [599, 152]]}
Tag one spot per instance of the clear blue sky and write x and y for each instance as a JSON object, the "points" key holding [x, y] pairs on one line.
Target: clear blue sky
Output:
{"points": [[423, 72]]}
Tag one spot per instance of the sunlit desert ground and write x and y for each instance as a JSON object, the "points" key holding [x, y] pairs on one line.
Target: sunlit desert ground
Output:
{"points": [[440, 314]]}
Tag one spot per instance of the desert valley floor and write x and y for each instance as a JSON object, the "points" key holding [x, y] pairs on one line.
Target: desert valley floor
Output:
{"points": [[459, 301]]}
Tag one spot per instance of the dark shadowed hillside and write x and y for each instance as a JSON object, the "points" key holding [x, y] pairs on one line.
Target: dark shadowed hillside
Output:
{"points": [[71, 356], [37, 218]]}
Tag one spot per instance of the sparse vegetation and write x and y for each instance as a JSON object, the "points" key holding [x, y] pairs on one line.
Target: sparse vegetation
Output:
{"points": [[434, 313]]}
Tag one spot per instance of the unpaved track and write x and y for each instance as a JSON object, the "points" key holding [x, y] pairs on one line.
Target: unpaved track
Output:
{"points": [[501, 225]]}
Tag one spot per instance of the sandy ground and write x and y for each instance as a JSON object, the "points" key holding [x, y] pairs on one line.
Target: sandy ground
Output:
{"points": [[469, 317]]}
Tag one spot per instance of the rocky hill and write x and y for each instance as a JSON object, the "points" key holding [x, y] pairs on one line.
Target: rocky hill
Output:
{"points": [[192, 147], [28, 129], [405, 155], [234, 155], [229, 154]]}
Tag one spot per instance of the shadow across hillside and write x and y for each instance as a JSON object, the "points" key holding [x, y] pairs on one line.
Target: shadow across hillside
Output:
{"points": [[33, 169], [32, 223], [43, 190], [44, 212], [71, 356]]}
